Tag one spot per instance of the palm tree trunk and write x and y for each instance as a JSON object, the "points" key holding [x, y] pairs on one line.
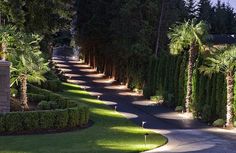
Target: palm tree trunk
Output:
{"points": [[3, 51], [24, 99], [191, 61], [230, 98]]}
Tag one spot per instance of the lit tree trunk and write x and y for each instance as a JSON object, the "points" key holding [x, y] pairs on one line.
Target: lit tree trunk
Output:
{"points": [[230, 98], [3, 51], [191, 61], [23, 96]]}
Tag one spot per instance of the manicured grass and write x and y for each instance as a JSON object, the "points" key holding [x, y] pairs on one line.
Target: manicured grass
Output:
{"points": [[111, 133]]}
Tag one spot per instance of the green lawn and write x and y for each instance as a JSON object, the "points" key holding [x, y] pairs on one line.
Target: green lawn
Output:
{"points": [[111, 133]]}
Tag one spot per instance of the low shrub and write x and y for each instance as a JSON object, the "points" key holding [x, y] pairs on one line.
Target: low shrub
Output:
{"points": [[179, 109], [52, 85], [2, 123], [46, 119], [13, 122], [53, 105], [82, 113], [219, 123], [61, 118], [36, 98], [44, 105], [74, 116], [71, 104], [156, 98], [30, 120]]}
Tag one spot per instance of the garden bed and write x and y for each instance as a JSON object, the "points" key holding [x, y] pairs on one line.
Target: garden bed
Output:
{"points": [[56, 113]]}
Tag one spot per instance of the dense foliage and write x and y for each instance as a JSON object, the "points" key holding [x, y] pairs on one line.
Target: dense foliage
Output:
{"points": [[127, 40]]}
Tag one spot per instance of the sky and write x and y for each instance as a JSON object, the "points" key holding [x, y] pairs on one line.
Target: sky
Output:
{"points": [[232, 2]]}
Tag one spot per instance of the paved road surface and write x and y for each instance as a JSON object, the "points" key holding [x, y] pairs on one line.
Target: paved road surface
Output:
{"points": [[184, 134]]}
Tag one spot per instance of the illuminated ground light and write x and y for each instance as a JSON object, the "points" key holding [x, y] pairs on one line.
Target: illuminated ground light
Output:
{"points": [[75, 81], [107, 81], [129, 115], [84, 87], [95, 75], [117, 87], [65, 70], [95, 94], [72, 75], [81, 65], [87, 70], [63, 65], [128, 93], [110, 103]]}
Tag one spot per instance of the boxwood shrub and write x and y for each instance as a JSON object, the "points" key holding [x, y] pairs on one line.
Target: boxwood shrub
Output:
{"points": [[46, 119], [2, 123], [13, 122], [55, 112], [30, 120], [36, 98], [74, 117], [61, 118]]}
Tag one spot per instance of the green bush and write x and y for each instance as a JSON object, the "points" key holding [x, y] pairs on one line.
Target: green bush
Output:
{"points": [[36, 98], [44, 105], [86, 115], [2, 123], [206, 113], [74, 116], [53, 105], [71, 104], [61, 118], [179, 109], [30, 120], [13, 122], [219, 123], [156, 98], [61, 101], [82, 113], [46, 119], [54, 85]]}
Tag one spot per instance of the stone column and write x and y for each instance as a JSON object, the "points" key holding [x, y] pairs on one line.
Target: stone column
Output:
{"points": [[4, 86]]}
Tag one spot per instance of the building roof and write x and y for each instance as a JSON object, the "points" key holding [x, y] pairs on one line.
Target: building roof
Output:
{"points": [[221, 39]]}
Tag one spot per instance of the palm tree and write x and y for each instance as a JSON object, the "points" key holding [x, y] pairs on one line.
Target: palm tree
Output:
{"points": [[224, 62], [27, 65], [7, 37], [188, 36]]}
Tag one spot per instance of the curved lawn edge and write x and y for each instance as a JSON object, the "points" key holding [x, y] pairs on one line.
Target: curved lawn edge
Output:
{"points": [[149, 131]]}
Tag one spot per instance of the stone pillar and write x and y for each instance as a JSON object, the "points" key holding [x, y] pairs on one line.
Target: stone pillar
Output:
{"points": [[4, 86]]}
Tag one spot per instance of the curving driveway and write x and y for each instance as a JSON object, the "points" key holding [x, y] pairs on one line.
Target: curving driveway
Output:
{"points": [[184, 134]]}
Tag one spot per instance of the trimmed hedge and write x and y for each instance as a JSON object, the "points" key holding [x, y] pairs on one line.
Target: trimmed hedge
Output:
{"points": [[36, 98], [56, 113], [15, 122]]}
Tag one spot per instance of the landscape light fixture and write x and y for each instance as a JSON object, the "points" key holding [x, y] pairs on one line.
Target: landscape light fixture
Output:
{"points": [[145, 138], [143, 123], [98, 97], [115, 108]]}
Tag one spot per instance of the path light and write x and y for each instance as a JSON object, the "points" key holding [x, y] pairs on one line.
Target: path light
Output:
{"points": [[145, 138], [143, 122], [115, 108], [98, 97]]}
